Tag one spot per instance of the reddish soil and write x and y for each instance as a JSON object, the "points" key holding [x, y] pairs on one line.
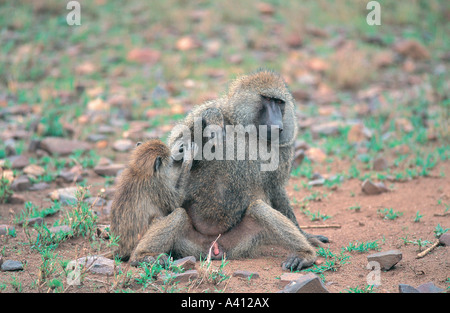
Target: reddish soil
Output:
{"points": [[427, 195]]}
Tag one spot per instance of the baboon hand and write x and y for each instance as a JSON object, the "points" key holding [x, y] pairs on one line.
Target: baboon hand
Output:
{"points": [[189, 155], [295, 263]]}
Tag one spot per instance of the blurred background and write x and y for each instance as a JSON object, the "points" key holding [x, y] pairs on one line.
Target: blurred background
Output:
{"points": [[151, 61]]}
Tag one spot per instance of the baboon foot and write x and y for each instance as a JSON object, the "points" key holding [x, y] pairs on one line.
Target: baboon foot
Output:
{"points": [[161, 259], [317, 240], [216, 251], [296, 263]]}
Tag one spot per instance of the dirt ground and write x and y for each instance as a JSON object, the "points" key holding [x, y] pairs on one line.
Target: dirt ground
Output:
{"points": [[365, 225]]}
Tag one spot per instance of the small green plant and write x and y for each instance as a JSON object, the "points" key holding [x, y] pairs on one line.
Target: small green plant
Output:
{"points": [[417, 217], [389, 214], [362, 247], [357, 289], [332, 261], [355, 208], [439, 231], [5, 190]]}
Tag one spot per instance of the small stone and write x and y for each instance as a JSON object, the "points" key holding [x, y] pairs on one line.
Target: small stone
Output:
{"points": [[39, 186], [187, 263], [65, 195], [34, 170], [246, 274], [287, 278], [97, 201], [403, 288], [62, 146], [316, 155], [61, 228], [21, 183], [96, 137], [16, 199], [380, 164], [123, 145], [309, 283], [18, 161], [387, 259], [429, 288], [317, 182], [108, 170], [371, 188], [11, 266], [184, 277], [444, 239], [32, 221], [96, 264], [6, 229]]}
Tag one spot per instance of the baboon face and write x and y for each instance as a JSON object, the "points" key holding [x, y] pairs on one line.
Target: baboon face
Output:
{"points": [[271, 114], [260, 99], [150, 157]]}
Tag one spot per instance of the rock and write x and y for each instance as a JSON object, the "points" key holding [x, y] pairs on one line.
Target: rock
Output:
{"points": [[70, 176], [445, 239], [16, 199], [429, 288], [6, 229], [180, 277], [18, 161], [39, 186], [96, 264], [187, 263], [123, 145], [387, 259], [380, 164], [34, 170], [97, 201], [21, 183], [402, 288], [11, 266], [62, 146], [109, 170], [65, 195], [144, 56], [316, 155], [61, 228], [246, 274], [106, 129], [370, 188], [265, 8], [32, 221], [413, 49], [309, 283], [327, 129], [356, 134], [316, 182], [186, 43], [96, 137], [287, 278]]}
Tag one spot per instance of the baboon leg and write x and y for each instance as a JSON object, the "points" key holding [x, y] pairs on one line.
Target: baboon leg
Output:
{"points": [[265, 225], [280, 202], [164, 235]]}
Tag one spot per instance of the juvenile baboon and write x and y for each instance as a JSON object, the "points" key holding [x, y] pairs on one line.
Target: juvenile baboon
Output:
{"points": [[233, 198], [147, 196]]}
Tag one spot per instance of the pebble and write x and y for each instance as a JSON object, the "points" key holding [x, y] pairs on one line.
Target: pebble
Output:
{"points": [[123, 145], [11, 266], [5, 229], [180, 277], [108, 170], [403, 288], [61, 228], [62, 146], [21, 183], [429, 288], [33, 221], [39, 186], [246, 274], [371, 188], [95, 264], [34, 170], [65, 195], [444, 239], [386, 259], [380, 164], [16, 199], [287, 278], [309, 283], [187, 263], [18, 161]]}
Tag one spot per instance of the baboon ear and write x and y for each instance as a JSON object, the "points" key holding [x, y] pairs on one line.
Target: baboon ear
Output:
{"points": [[138, 144], [157, 164]]}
